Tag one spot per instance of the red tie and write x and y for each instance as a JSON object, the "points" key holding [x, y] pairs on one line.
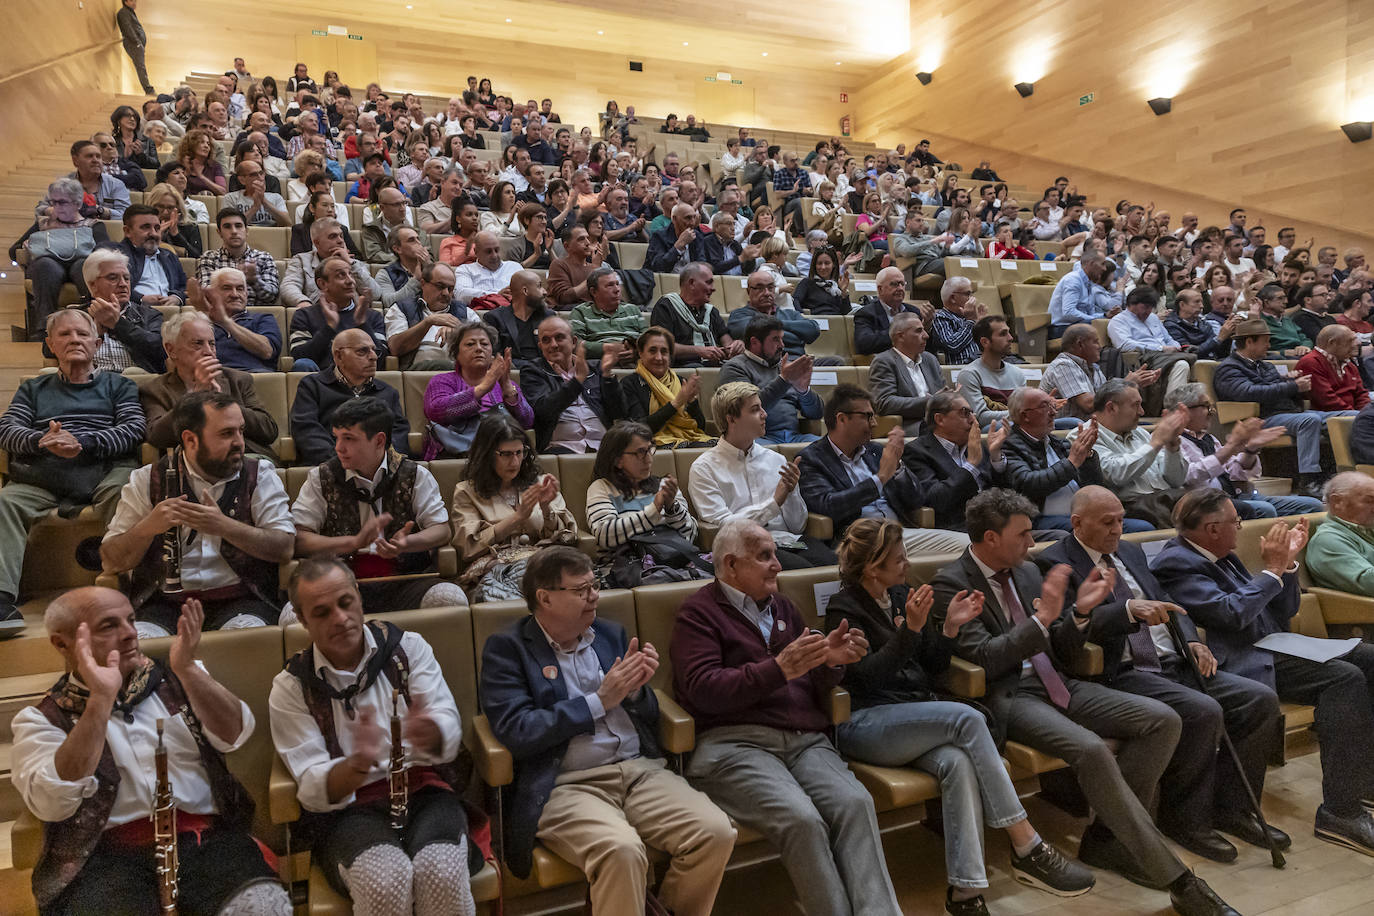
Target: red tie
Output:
{"points": [[1040, 662]]}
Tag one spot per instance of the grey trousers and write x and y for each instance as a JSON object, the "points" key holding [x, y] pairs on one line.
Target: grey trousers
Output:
{"points": [[1120, 789], [22, 505], [793, 788]]}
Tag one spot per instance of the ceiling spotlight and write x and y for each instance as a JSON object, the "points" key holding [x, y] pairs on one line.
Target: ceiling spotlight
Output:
{"points": [[684, 44], [837, 63], [1161, 106], [1358, 131], [765, 53], [924, 78], [410, 6], [601, 31], [508, 20], [1025, 89]]}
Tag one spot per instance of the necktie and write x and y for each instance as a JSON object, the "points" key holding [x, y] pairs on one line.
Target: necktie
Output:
{"points": [[1040, 662], [1143, 650]]}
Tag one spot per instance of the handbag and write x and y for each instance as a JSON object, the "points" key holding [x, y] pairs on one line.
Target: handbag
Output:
{"points": [[62, 244], [454, 441], [654, 557]]}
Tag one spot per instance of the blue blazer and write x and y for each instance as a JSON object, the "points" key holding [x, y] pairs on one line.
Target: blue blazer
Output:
{"points": [[171, 266], [871, 323], [1235, 607], [827, 489], [533, 717]]}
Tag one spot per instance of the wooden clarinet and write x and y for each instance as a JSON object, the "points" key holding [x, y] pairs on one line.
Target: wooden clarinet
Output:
{"points": [[400, 777], [171, 540], [164, 832]]}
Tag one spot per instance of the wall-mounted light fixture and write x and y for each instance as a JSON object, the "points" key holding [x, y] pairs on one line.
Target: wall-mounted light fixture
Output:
{"points": [[1025, 89], [1161, 106], [1358, 131], [924, 78]]}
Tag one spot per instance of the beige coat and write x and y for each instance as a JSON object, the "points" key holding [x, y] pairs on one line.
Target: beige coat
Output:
{"points": [[475, 520]]}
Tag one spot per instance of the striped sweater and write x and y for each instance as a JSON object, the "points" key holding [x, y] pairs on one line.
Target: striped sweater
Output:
{"points": [[103, 414], [614, 518]]}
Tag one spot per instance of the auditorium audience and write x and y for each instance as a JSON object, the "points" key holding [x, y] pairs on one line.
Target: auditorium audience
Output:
{"points": [[342, 305], [258, 268], [127, 332], [1312, 315], [486, 276], [53, 258], [951, 325], [1196, 333], [1082, 296], [155, 274], [1137, 329], [988, 381], [103, 195], [606, 319], [352, 374], [1340, 553], [418, 329], [825, 288], [1287, 339], [798, 330], [517, 321], [299, 285]]}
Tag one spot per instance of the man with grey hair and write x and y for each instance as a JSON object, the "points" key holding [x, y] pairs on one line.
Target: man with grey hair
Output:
{"points": [[437, 215], [951, 326], [904, 378], [874, 317], [1081, 296], [1075, 376], [670, 247], [698, 329], [721, 250], [605, 322], [1340, 553], [352, 375], [127, 331], [298, 286], [762, 755], [72, 437]]}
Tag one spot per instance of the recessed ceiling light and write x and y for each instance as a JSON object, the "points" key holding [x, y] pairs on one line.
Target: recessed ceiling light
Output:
{"points": [[684, 44], [409, 6], [837, 63], [600, 32], [508, 20], [765, 53]]}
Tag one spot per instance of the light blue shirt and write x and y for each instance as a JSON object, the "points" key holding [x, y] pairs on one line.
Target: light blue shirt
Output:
{"points": [[858, 472], [760, 617], [614, 737], [1130, 333], [1076, 299]]}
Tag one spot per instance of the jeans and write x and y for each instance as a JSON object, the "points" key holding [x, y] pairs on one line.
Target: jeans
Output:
{"points": [[304, 365], [951, 742], [1062, 523], [48, 275], [780, 436], [1306, 430], [1256, 506]]}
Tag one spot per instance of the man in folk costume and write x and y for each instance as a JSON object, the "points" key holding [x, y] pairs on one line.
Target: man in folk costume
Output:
{"points": [[230, 518], [83, 761], [379, 512], [330, 709]]}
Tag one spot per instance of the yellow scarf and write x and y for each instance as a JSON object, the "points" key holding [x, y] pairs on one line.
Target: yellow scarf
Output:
{"points": [[681, 427]]}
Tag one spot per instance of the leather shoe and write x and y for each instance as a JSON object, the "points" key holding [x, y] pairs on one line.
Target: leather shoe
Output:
{"points": [[1356, 832], [1205, 842], [1195, 898], [1100, 849], [1246, 826]]}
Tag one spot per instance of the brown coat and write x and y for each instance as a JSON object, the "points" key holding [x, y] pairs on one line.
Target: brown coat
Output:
{"points": [[160, 398]]}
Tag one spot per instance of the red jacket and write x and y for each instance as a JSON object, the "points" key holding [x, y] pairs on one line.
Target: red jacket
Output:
{"points": [[1330, 391]]}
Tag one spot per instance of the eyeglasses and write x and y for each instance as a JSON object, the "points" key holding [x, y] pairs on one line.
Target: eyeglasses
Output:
{"points": [[585, 592], [961, 411], [643, 453], [868, 415], [512, 453]]}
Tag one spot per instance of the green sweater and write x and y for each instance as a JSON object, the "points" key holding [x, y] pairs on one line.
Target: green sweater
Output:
{"points": [[593, 327], [1340, 556], [1284, 334]]}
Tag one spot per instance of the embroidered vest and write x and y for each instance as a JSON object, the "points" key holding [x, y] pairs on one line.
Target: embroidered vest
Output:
{"points": [[395, 494], [67, 845], [258, 577]]}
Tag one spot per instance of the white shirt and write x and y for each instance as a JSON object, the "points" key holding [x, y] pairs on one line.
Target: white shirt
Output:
{"points": [[1244, 265], [397, 323], [153, 280], [1159, 632], [132, 745], [473, 280], [301, 745], [202, 564], [918, 378], [512, 174], [309, 508], [727, 483], [1134, 467]]}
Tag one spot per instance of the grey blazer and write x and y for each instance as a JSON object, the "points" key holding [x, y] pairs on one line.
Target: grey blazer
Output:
{"points": [[890, 384]]}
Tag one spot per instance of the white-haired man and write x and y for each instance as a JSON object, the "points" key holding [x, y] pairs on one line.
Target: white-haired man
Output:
{"points": [[872, 320]]}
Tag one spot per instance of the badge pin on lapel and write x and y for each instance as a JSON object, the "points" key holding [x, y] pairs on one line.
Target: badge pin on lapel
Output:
{"points": [[551, 672]]}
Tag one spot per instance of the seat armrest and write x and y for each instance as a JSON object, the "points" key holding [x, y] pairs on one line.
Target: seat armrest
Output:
{"points": [[964, 679], [925, 517], [706, 535], [448, 562], [417, 443], [820, 527], [677, 731], [1229, 412], [837, 705], [282, 802], [1344, 608], [492, 759], [1087, 661], [286, 449], [886, 424]]}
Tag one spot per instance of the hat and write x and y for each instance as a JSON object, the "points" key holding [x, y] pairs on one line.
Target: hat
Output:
{"points": [[1253, 327]]}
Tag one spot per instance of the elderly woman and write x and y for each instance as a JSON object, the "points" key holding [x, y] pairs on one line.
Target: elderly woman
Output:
{"points": [[57, 244], [504, 509], [899, 721], [130, 144], [203, 172], [658, 398], [636, 516], [307, 162], [480, 382], [156, 133], [179, 229]]}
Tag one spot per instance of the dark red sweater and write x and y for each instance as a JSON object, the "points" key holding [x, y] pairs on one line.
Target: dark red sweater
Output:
{"points": [[724, 674]]}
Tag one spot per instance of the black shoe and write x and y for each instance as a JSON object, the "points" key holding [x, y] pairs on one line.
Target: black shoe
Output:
{"points": [[1205, 842], [1100, 849], [11, 621], [1050, 870], [1195, 898], [973, 906], [1246, 826], [1356, 832], [1309, 485]]}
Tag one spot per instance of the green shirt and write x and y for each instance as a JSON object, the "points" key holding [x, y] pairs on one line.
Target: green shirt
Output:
{"points": [[594, 327], [1284, 334], [1340, 556]]}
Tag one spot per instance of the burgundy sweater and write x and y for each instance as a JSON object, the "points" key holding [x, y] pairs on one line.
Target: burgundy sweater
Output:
{"points": [[724, 674]]}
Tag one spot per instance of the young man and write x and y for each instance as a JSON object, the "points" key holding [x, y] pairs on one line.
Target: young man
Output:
{"points": [[228, 510], [330, 710], [568, 694], [739, 479], [258, 267], [987, 382], [87, 773], [784, 384]]}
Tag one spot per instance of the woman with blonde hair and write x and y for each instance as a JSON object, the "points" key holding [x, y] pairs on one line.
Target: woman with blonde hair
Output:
{"points": [[900, 720], [179, 230], [307, 162]]}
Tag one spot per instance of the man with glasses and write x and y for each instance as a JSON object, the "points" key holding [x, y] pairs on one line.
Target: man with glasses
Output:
{"points": [[567, 693], [1045, 469], [1286, 339], [575, 399], [1082, 295], [418, 329], [847, 476], [352, 375], [341, 307], [951, 326], [260, 206], [874, 317]]}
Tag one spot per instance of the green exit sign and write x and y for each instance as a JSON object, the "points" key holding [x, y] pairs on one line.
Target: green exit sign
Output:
{"points": [[1086, 98], [737, 82], [320, 32]]}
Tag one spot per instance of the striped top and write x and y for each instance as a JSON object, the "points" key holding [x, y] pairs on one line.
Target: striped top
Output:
{"points": [[103, 414], [614, 518]]}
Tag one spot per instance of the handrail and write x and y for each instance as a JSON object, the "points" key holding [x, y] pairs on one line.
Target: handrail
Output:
{"points": [[62, 59]]}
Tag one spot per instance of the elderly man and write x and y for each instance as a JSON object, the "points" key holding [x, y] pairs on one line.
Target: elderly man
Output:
{"points": [[72, 439], [244, 340], [784, 384], [575, 399], [846, 475], [260, 206], [1146, 470], [949, 460], [927, 251], [127, 333], [720, 248], [1287, 339], [399, 278], [1200, 334], [798, 330], [1022, 631], [1334, 371], [417, 330], [1200, 570], [1081, 296], [987, 382], [110, 196], [299, 287], [340, 307], [605, 318], [230, 513], [904, 378], [590, 781], [670, 248], [872, 320], [192, 365], [1045, 469], [951, 325], [1200, 790], [1340, 554], [1075, 377], [86, 771], [352, 374], [620, 225], [394, 217], [437, 215], [698, 329], [487, 274], [753, 676], [258, 268], [339, 754], [155, 274], [1245, 375]]}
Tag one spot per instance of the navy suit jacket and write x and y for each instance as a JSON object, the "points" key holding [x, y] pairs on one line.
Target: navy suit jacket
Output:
{"points": [[532, 715], [1111, 623], [1235, 609], [871, 323], [171, 266], [827, 489], [945, 486]]}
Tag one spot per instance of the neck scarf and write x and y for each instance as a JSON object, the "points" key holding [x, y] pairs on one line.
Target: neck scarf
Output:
{"points": [[701, 329], [71, 695], [680, 427]]}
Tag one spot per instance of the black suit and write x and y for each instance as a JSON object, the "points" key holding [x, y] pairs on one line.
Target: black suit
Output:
{"points": [[945, 485], [828, 490], [549, 394], [1029, 473], [1119, 789], [871, 322], [1198, 782]]}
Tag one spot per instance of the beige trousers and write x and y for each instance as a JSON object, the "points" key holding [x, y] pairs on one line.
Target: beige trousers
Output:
{"points": [[600, 820]]}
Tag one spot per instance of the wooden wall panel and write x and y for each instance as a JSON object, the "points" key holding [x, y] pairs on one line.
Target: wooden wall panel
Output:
{"points": [[37, 31]]}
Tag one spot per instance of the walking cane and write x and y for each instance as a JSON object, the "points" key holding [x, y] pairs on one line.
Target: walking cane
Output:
{"points": [[1275, 856]]}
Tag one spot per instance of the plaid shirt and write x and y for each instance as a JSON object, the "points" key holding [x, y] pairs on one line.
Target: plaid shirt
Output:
{"points": [[1069, 376], [262, 291], [787, 179]]}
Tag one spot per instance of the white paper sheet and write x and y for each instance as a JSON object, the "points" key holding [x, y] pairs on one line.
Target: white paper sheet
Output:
{"points": [[823, 591], [1308, 647], [866, 286], [1153, 549], [823, 322], [968, 262], [1048, 267], [1008, 265], [824, 378], [1033, 375]]}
